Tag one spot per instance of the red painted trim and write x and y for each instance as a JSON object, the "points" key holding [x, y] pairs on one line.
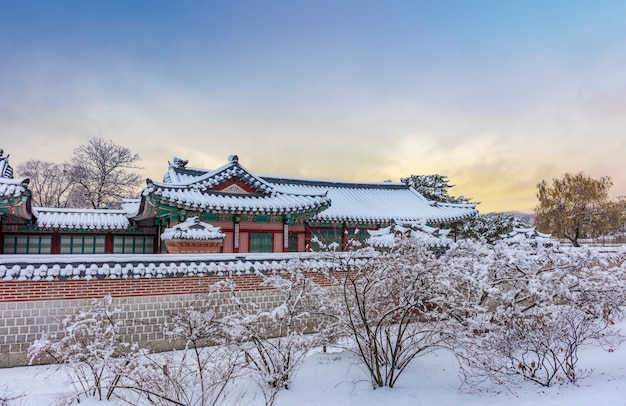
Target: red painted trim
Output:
{"points": [[234, 181]]}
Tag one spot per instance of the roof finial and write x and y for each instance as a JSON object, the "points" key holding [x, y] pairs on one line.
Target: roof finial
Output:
{"points": [[178, 162], [233, 158], [5, 169]]}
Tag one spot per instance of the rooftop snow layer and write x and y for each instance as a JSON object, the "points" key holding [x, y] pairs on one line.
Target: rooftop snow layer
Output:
{"points": [[272, 203], [193, 229], [386, 237], [12, 187], [85, 219], [375, 202]]}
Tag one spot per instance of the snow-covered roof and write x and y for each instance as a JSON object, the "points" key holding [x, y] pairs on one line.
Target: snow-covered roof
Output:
{"points": [[208, 179], [12, 187], [383, 202], [261, 197], [386, 237], [241, 203], [193, 229], [85, 219], [350, 202], [131, 206], [520, 234]]}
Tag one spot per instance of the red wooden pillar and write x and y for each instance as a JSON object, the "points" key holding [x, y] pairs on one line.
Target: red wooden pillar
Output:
{"points": [[56, 243], [108, 243]]}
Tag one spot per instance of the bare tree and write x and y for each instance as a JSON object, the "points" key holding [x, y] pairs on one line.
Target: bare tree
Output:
{"points": [[49, 182], [99, 171]]}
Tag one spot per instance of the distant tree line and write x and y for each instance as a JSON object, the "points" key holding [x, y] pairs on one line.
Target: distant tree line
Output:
{"points": [[573, 207]]}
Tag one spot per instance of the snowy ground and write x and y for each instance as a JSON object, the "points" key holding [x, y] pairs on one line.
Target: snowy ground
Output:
{"points": [[334, 378]]}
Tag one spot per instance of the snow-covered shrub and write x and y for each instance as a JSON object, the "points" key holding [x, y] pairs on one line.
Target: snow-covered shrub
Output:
{"points": [[91, 350], [197, 375], [276, 339], [526, 309], [389, 305]]}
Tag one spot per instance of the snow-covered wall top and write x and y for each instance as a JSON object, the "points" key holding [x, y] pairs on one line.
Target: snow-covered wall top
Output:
{"points": [[193, 229], [76, 267], [86, 219]]}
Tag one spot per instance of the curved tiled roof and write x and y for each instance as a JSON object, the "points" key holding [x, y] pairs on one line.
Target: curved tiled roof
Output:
{"points": [[86, 219], [276, 202], [354, 202], [385, 202], [194, 191], [209, 179]]}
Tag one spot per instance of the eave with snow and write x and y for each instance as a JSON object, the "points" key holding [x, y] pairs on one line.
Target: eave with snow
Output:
{"points": [[255, 213], [15, 201]]}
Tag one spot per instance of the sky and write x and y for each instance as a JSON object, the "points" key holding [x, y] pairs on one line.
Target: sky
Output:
{"points": [[496, 95]]}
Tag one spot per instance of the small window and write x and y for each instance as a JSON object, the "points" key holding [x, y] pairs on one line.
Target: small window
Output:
{"points": [[292, 242], [83, 244], [261, 242], [133, 244], [27, 244]]}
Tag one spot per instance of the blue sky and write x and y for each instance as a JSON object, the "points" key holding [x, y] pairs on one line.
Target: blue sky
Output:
{"points": [[497, 95]]}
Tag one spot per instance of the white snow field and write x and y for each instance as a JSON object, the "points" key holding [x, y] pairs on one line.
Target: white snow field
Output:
{"points": [[335, 378]]}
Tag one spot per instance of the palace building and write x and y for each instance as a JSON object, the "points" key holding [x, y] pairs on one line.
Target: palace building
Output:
{"points": [[229, 210]]}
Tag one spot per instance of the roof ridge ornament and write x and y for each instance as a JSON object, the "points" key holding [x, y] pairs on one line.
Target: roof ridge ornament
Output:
{"points": [[178, 162], [233, 159], [5, 169]]}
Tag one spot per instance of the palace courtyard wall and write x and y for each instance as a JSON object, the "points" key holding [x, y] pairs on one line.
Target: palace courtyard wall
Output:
{"points": [[36, 293]]}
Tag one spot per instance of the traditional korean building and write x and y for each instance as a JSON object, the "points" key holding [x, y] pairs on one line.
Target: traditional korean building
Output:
{"points": [[254, 213]]}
